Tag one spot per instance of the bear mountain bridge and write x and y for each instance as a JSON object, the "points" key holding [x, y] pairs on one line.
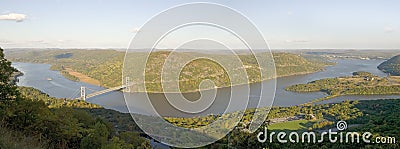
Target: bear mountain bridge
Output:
{"points": [[125, 87]]}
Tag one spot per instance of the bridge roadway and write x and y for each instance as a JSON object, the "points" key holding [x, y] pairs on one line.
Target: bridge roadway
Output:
{"points": [[105, 91]]}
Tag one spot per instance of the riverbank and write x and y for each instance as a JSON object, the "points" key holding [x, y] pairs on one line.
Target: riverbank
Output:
{"points": [[82, 77], [76, 76], [106, 66], [250, 83], [73, 75]]}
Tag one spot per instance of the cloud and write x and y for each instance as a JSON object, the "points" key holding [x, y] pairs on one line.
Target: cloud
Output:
{"points": [[297, 41], [135, 30], [289, 13], [13, 17], [389, 29]]}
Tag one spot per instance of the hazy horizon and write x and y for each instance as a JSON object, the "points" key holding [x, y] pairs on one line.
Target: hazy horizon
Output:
{"points": [[112, 24]]}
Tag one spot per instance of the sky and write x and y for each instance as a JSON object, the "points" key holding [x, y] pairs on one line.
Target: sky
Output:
{"points": [[306, 24]]}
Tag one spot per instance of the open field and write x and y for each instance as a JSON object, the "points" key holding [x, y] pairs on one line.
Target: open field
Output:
{"points": [[82, 77]]}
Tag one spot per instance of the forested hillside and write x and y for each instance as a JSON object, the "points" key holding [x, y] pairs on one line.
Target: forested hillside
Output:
{"points": [[31, 119], [106, 66], [391, 66]]}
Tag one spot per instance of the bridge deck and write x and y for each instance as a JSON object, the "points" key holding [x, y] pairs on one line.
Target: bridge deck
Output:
{"points": [[104, 91]]}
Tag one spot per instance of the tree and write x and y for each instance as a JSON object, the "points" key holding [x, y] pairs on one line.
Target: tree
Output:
{"points": [[362, 73], [117, 143], [97, 138], [8, 92], [145, 145]]}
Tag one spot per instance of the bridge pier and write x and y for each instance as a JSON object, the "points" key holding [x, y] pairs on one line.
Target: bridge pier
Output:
{"points": [[83, 93]]}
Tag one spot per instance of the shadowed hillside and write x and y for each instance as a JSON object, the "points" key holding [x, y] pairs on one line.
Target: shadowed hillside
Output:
{"points": [[391, 66]]}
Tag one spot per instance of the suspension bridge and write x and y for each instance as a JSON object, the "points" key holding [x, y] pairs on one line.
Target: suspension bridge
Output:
{"points": [[125, 87]]}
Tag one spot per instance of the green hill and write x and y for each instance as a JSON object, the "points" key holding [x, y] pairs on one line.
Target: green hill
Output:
{"points": [[106, 66], [391, 66]]}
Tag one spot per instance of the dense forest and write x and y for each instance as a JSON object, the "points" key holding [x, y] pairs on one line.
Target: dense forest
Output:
{"points": [[378, 117], [106, 66], [391, 66], [31, 119]]}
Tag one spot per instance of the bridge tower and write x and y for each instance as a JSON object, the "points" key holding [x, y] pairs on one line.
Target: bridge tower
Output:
{"points": [[83, 93], [127, 82]]}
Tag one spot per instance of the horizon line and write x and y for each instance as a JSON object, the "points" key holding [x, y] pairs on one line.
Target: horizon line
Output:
{"points": [[167, 49]]}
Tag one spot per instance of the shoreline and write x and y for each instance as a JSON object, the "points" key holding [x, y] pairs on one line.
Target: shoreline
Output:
{"points": [[86, 79], [297, 74], [82, 77]]}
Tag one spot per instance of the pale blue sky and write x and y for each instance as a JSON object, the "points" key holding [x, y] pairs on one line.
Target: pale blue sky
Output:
{"points": [[285, 24]]}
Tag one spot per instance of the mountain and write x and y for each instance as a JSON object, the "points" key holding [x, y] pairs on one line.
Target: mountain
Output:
{"points": [[391, 66], [105, 66]]}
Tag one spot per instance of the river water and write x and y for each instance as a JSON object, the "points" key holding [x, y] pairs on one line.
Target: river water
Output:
{"points": [[37, 76]]}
